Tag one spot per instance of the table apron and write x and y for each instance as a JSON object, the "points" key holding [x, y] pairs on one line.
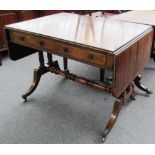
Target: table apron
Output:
{"points": [[85, 55]]}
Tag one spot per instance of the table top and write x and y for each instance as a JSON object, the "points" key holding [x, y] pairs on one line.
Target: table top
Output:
{"points": [[102, 33], [137, 16]]}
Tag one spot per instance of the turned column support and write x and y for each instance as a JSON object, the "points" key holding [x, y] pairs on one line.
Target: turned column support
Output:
{"points": [[41, 59], [102, 74], [54, 68], [50, 59], [65, 63]]}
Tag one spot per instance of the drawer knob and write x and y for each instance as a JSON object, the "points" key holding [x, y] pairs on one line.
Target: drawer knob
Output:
{"points": [[22, 38], [90, 56], [41, 43], [65, 49]]}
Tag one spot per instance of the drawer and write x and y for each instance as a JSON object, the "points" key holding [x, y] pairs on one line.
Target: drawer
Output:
{"points": [[31, 40], [83, 55], [75, 52]]}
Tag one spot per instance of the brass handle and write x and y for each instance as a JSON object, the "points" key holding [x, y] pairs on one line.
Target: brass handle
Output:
{"points": [[90, 56]]}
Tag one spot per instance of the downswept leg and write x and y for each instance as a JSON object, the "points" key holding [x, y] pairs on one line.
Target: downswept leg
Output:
{"points": [[138, 83], [39, 72], [36, 77], [128, 94], [116, 109]]}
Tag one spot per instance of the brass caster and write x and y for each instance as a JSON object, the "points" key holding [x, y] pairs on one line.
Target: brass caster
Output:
{"points": [[133, 98], [104, 134], [25, 98], [103, 139], [138, 83], [149, 91]]}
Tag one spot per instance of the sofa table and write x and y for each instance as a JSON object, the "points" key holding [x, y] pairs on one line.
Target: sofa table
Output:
{"points": [[122, 47]]}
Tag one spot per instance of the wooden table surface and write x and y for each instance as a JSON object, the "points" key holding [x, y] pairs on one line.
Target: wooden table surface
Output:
{"points": [[102, 33], [137, 16]]}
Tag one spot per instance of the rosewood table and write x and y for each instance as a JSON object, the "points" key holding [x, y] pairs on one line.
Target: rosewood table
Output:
{"points": [[122, 47], [146, 17]]}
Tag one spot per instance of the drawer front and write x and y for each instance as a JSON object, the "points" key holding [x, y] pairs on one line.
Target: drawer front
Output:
{"points": [[77, 53], [31, 40], [83, 55]]}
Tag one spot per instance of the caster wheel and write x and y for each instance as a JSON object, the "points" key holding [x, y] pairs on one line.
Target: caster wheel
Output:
{"points": [[133, 98], [25, 98], [149, 91], [103, 139]]}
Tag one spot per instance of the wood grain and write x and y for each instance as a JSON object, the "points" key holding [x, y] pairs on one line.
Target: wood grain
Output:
{"points": [[90, 56], [83, 30], [130, 63]]}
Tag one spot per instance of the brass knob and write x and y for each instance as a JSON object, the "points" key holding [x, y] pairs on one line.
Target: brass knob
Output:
{"points": [[41, 43], [22, 38], [65, 49], [90, 56]]}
